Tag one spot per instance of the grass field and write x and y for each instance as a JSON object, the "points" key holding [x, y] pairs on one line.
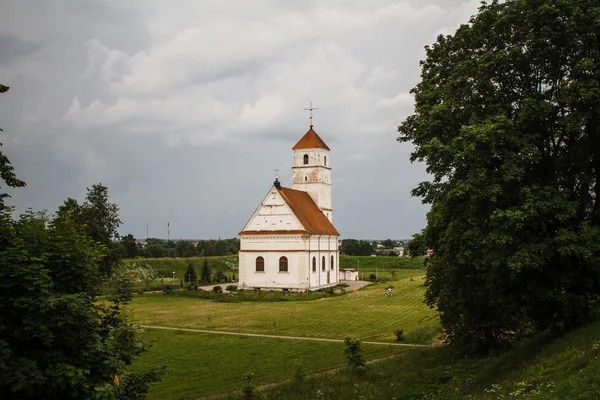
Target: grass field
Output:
{"points": [[366, 314], [545, 367], [201, 364]]}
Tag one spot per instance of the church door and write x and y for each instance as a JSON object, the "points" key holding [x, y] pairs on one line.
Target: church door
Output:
{"points": [[328, 276]]}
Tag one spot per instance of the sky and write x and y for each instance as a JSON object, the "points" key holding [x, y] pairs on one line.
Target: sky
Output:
{"points": [[185, 108]]}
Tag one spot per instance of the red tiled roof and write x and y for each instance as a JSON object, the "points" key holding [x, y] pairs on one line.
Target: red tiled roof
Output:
{"points": [[310, 140], [307, 212]]}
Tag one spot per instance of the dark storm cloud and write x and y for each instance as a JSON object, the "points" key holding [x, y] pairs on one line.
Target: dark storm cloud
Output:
{"points": [[185, 108]]}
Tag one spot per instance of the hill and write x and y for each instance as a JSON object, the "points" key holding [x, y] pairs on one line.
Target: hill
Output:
{"points": [[548, 367]]}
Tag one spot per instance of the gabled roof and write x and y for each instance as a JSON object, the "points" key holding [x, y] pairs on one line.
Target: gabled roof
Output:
{"points": [[307, 212], [310, 140]]}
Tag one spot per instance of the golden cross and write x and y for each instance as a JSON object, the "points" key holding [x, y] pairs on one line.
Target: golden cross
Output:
{"points": [[311, 108]]}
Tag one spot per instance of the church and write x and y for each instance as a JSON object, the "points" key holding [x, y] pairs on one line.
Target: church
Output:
{"points": [[290, 242]]}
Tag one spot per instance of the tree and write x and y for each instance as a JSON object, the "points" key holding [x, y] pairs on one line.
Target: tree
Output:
{"points": [[353, 351], [6, 169], [205, 272], [507, 118], [388, 244], [99, 218], [130, 245], [353, 247], [417, 246], [56, 341], [220, 276], [190, 275]]}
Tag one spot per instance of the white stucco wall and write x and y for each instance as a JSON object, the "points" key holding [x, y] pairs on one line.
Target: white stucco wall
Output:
{"points": [[299, 250], [273, 214]]}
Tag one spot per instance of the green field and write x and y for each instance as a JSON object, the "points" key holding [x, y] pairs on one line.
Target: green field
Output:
{"points": [[366, 314], [546, 367], [201, 364]]}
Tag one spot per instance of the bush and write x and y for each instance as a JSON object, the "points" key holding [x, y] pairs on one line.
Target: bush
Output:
{"points": [[299, 373], [353, 351], [231, 288], [372, 277], [217, 289], [399, 334]]}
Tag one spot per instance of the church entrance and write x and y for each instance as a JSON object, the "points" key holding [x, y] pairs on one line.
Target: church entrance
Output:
{"points": [[328, 277]]}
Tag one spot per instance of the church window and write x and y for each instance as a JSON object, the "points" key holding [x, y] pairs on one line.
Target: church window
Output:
{"points": [[306, 179], [325, 160], [314, 264], [283, 264], [306, 159], [323, 263], [260, 264], [332, 263]]}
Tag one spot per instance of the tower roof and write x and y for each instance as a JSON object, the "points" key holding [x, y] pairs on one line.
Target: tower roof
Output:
{"points": [[310, 140]]}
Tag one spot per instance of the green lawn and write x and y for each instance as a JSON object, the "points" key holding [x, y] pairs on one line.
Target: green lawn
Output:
{"points": [[366, 314], [200, 364], [545, 367]]}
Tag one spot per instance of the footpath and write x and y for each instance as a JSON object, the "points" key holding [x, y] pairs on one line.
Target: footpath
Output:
{"points": [[168, 328]]}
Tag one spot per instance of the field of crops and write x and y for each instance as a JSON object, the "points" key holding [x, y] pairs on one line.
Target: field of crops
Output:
{"points": [[200, 364], [366, 314]]}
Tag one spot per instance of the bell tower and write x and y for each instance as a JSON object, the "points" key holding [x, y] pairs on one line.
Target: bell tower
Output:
{"points": [[311, 172]]}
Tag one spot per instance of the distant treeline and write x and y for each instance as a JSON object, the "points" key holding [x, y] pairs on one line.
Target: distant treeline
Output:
{"points": [[160, 248], [353, 247]]}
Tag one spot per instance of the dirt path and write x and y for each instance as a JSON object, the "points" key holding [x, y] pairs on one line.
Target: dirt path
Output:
{"points": [[280, 336]]}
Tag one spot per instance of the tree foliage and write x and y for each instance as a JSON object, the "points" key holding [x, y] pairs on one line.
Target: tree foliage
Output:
{"points": [[418, 245], [507, 119], [99, 218], [353, 247], [56, 342], [190, 275], [6, 169], [205, 273]]}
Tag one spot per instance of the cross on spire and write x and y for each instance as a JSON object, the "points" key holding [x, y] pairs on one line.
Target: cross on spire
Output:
{"points": [[311, 108], [276, 174]]}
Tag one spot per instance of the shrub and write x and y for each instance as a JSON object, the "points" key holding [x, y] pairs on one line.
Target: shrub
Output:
{"points": [[231, 288], [217, 289], [248, 389], [353, 351], [299, 373], [399, 334], [372, 277]]}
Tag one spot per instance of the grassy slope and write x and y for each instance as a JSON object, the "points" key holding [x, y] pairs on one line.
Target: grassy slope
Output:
{"points": [[546, 368], [228, 264], [381, 262], [366, 314], [200, 364]]}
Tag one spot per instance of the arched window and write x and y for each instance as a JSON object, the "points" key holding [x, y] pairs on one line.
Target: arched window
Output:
{"points": [[283, 264], [332, 263], [306, 179], [323, 263], [306, 159], [325, 160], [260, 264], [314, 264]]}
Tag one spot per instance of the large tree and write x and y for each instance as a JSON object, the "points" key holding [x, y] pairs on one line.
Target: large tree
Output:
{"points": [[6, 169], [507, 118], [99, 218]]}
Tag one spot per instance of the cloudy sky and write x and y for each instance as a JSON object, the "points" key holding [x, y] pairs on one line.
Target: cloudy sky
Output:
{"points": [[184, 108]]}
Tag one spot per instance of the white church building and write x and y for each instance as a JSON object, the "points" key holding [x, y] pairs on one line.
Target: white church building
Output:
{"points": [[290, 243]]}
